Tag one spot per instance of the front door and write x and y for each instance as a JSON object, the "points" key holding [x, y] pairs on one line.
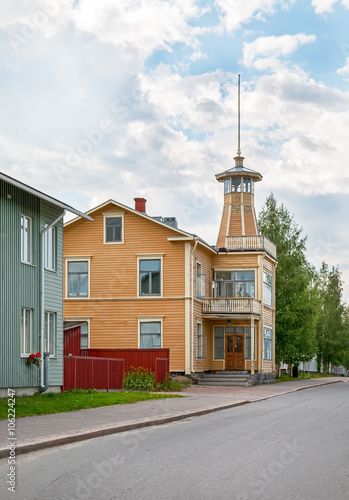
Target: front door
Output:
{"points": [[234, 352]]}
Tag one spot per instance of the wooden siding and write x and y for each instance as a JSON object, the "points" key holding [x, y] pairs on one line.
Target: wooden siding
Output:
{"points": [[268, 317], [223, 228], [113, 307], [54, 289], [18, 286], [250, 226]]}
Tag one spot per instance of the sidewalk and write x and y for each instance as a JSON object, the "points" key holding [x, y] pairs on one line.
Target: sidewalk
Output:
{"points": [[34, 433]]}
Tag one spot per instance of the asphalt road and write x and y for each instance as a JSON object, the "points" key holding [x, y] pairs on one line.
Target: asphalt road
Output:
{"points": [[293, 447]]}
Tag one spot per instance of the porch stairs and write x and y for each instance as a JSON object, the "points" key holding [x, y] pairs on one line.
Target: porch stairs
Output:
{"points": [[228, 378]]}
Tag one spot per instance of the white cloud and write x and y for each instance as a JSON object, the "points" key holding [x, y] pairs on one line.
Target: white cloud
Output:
{"points": [[345, 70], [322, 6], [263, 52], [237, 12]]}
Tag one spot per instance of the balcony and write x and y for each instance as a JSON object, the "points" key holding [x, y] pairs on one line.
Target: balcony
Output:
{"points": [[231, 306], [255, 243]]}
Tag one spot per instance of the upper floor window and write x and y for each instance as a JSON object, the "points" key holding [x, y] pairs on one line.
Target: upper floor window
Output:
{"points": [[26, 239], [50, 248], [234, 284], [200, 282], [26, 330], [227, 186], [248, 185], [77, 278], [267, 289], [236, 185], [150, 277], [50, 333], [113, 227]]}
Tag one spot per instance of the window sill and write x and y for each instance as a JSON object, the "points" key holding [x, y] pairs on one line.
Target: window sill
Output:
{"points": [[28, 263], [51, 270], [76, 298], [149, 297]]}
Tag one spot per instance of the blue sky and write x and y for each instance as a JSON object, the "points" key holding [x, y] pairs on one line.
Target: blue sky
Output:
{"points": [[125, 98]]}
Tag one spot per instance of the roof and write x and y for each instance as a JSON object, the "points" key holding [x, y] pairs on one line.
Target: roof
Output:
{"points": [[67, 325], [184, 234], [43, 196], [238, 170]]}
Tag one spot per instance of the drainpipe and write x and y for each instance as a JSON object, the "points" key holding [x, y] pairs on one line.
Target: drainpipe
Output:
{"points": [[44, 368], [196, 239]]}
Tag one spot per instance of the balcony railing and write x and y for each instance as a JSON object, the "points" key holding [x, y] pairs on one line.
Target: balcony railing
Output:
{"points": [[251, 243], [231, 306]]}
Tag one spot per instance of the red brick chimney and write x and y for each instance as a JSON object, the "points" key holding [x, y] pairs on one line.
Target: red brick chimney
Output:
{"points": [[140, 204]]}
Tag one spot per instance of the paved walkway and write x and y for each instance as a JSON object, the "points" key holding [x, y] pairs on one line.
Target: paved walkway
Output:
{"points": [[39, 432]]}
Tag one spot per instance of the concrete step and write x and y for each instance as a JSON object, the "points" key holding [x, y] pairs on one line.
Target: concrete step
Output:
{"points": [[229, 372], [224, 379], [227, 384]]}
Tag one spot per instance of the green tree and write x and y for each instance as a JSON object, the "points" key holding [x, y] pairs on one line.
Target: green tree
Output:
{"points": [[332, 337], [296, 298]]}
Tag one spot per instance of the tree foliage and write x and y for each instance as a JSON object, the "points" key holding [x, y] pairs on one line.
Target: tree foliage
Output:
{"points": [[296, 298]]}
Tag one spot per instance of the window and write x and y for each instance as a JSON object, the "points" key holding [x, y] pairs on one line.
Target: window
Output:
{"points": [[50, 248], [201, 344], [267, 289], [84, 336], [50, 333], [236, 185], [149, 277], [227, 186], [248, 343], [219, 342], [267, 343], [234, 284], [150, 334], [78, 278], [26, 239], [113, 229], [200, 282], [26, 330], [248, 185]]}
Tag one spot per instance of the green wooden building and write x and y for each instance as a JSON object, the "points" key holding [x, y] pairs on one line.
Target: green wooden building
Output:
{"points": [[31, 288]]}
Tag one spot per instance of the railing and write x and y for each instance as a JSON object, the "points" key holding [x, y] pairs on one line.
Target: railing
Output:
{"points": [[82, 372], [250, 243], [223, 305]]}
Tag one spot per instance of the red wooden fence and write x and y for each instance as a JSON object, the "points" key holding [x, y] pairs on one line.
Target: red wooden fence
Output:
{"points": [[162, 370], [72, 341], [81, 372], [145, 358]]}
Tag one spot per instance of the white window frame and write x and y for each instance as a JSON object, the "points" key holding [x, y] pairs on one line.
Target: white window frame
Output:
{"points": [[214, 342], [269, 286], [78, 259], [49, 334], [199, 294], [27, 259], [107, 215], [51, 248], [201, 342], [151, 319], [269, 340], [24, 312], [151, 257]]}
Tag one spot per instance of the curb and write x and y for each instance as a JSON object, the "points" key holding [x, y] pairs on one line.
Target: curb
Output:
{"points": [[72, 438]]}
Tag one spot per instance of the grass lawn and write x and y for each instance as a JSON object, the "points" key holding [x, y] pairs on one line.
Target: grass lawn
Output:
{"points": [[42, 404], [287, 378]]}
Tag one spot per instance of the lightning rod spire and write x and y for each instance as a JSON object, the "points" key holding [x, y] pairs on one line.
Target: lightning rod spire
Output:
{"points": [[239, 149]]}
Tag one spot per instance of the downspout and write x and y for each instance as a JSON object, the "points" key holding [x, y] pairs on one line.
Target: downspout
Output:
{"points": [[196, 239], [44, 367]]}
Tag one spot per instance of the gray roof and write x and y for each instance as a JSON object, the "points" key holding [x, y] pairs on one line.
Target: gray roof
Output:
{"points": [[42, 195], [240, 168]]}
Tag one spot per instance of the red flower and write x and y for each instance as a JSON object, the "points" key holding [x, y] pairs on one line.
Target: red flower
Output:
{"points": [[38, 355], [32, 355]]}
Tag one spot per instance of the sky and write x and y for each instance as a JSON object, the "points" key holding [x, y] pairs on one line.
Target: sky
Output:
{"points": [[138, 98]]}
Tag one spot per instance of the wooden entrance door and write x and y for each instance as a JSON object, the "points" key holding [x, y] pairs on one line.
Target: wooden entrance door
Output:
{"points": [[234, 352]]}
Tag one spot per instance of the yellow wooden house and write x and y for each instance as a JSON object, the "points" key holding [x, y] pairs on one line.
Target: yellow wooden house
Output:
{"points": [[141, 282]]}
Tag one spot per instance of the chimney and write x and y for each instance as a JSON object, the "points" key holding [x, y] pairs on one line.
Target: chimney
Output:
{"points": [[140, 204]]}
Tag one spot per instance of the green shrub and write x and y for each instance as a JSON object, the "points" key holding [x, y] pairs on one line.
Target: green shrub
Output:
{"points": [[139, 380]]}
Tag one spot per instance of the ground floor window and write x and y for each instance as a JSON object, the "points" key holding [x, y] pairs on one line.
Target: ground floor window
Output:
{"points": [[219, 342], [248, 343], [50, 333], [26, 330], [150, 334], [267, 343], [201, 344], [84, 330]]}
